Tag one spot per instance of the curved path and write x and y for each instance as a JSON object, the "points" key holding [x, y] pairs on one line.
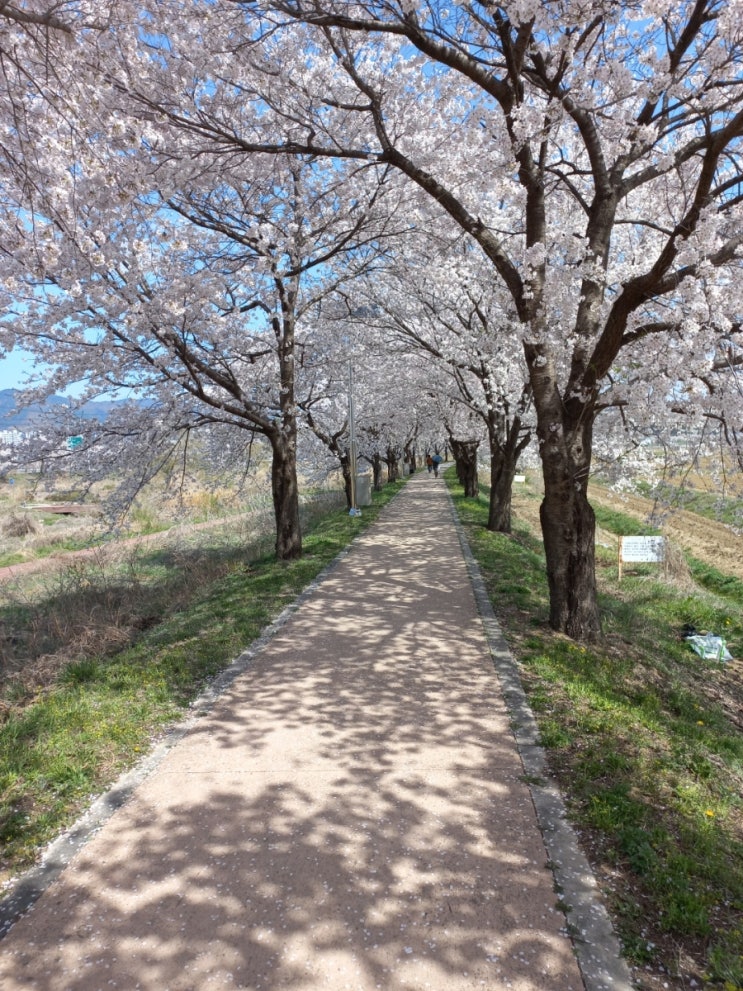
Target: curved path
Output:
{"points": [[350, 813]]}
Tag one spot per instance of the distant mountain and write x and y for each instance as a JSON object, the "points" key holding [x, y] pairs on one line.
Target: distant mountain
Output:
{"points": [[11, 418]]}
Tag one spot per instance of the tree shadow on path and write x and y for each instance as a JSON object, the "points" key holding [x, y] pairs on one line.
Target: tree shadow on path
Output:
{"points": [[350, 814]]}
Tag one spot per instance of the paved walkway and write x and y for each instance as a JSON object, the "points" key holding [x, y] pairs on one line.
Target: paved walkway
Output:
{"points": [[351, 813]]}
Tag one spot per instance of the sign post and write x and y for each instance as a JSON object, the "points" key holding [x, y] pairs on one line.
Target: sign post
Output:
{"points": [[637, 550]]}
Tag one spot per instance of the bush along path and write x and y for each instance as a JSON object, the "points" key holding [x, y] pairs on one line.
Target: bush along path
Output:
{"points": [[646, 741]]}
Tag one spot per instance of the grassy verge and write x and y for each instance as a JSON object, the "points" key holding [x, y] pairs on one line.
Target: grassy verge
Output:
{"points": [[726, 509], [66, 741], [646, 740], [705, 575], [44, 550]]}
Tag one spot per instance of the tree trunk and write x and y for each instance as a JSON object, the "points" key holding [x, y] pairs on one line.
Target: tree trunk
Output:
{"points": [[376, 463], [337, 444], [285, 491], [345, 463], [465, 459], [569, 531], [507, 440], [283, 437], [393, 465], [502, 470], [565, 431]]}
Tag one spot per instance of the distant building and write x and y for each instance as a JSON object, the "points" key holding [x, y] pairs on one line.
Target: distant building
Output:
{"points": [[13, 436]]}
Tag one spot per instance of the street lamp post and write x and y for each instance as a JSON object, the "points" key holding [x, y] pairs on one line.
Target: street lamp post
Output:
{"points": [[352, 454]]}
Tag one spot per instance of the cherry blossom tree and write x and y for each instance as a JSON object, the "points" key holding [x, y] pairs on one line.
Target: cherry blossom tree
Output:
{"points": [[460, 321], [184, 281], [392, 403], [672, 430], [140, 258], [593, 153], [394, 411], [463, 428], [324, 408]]}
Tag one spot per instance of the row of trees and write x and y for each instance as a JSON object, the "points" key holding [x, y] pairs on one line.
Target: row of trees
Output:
{"points": [[514, 217]]}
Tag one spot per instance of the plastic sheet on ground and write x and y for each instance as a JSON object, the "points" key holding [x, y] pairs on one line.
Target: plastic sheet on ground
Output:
{"points": [[710, 647]]}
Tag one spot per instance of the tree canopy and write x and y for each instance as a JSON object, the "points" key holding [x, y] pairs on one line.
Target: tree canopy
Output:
{"points": [[169, 164]]}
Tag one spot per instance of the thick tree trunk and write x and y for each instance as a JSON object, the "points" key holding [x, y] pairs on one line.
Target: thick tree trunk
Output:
{"points": [[507, 439], [392, 460], [345, 463], [283, 437], [465, 459], [285, 491], [502, 470], [569, 529], [377, 465], [568, 523]]}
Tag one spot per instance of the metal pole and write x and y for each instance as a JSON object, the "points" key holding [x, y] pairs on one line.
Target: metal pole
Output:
{"points": [[354, 511]]}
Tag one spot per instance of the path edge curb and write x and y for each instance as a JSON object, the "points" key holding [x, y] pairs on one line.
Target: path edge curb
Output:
{"points": [[596, 944]]}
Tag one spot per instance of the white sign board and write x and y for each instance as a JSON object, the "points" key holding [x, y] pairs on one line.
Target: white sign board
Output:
{"points": [[639, 549], [634, 550], [519, 478]]}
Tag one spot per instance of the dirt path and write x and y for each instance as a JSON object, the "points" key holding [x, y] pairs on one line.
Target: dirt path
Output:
{"points": [[352, 814]]}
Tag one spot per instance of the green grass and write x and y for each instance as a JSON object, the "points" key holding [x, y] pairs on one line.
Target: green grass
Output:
{"points": [[715, 581], [708, 504], [57, 545], [645, 739], [75, 736], [622, 523]]}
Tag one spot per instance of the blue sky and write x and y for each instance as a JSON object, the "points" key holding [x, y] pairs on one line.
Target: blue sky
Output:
{"points": [[15, 369]]}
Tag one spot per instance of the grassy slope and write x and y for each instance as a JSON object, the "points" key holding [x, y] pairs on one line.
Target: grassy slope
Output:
{"points": [[713, 506], [68, 741], [647, 742]]}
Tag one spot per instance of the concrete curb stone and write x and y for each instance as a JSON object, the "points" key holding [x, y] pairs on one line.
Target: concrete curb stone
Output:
{"points": [[596, 945]]}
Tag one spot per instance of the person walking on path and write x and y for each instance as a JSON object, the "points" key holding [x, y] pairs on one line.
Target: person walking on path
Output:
{"points": [[436, 459], [351, 813]]}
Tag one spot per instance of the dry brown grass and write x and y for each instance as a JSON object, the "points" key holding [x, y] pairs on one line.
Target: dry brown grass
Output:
{"points": [[19, 526], [95, 602]]}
